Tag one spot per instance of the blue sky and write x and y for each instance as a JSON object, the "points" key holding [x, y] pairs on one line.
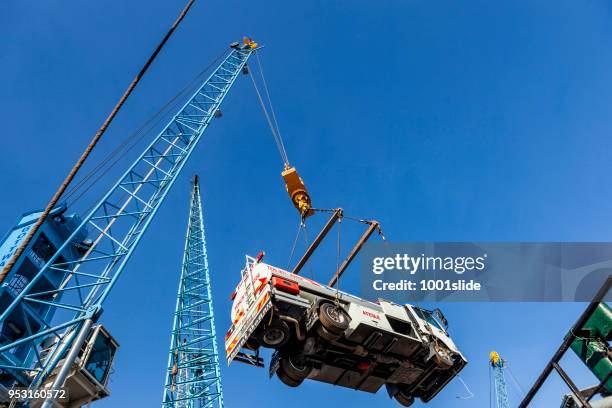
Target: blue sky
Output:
{"points": [[443, 120]]}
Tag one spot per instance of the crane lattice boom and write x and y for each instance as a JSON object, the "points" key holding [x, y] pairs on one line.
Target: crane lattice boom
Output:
{"points": [[75, 288]]}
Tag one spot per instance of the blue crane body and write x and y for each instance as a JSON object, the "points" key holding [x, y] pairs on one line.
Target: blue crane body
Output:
{"points": [[50, 236], [63, 295]]}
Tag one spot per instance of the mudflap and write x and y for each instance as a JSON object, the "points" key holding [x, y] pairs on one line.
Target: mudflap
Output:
{"points": [[250, 359], [274, 363]]}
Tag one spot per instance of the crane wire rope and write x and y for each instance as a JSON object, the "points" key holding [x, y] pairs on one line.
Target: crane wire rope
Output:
{"points": [[307, 244], [92, 144], [265, 84], [277, 138], [135, 137], [358, 220], [515, 380], [297, 236], [470, 393], [301, 227]]}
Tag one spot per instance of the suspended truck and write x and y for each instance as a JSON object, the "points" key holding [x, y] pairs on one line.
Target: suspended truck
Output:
{"points": [[326, 335]]}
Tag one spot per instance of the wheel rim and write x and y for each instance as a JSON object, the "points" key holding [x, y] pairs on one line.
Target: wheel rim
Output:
{"points": [[297, 366], [335, 314], [274, 336]]}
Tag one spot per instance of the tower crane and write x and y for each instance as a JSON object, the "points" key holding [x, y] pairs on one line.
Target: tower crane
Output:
{"points": [[52, 299], [193, 378], [498, 366]]}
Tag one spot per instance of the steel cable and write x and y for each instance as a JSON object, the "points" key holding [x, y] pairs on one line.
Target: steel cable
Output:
{"points": [[142, 131], [92, 144]]}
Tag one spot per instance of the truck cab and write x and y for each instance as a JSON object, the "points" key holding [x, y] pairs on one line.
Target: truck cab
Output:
{"points": [[322, 334]]}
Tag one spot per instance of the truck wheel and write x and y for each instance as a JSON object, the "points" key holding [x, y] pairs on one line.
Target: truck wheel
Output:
{"points": [[333, 318], [295, 367], [404, 400], [275, 335], [285, 379], [442, 356], [326, 334]]}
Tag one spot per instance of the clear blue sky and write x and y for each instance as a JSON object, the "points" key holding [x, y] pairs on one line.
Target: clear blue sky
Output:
{"points": [[445, 120]]}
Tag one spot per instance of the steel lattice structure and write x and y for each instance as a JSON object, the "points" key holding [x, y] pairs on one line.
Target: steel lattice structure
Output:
{"points": [[501, 388], [193, 378], [115, 225]]}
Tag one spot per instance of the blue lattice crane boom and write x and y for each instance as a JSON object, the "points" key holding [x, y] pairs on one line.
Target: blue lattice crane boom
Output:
{"points": [[63, 298], [193, 377], [498, 366]]}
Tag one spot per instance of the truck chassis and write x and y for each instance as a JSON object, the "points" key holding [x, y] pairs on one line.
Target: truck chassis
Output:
{"points": [[326, 335]]}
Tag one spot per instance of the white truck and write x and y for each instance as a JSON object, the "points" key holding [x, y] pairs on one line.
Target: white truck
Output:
{"points": [[322, 334]]}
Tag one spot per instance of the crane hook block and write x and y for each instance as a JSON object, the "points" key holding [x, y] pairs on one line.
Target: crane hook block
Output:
{"points": [[249, 43], [297, 191]]}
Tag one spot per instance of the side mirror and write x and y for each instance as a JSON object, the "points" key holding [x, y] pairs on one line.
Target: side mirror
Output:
{"points": [[438, 313]]}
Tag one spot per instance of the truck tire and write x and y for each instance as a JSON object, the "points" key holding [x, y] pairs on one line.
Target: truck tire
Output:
{"points": [[285, 379], [442, 356], [295, 367], [333, 318], [404, 400], [252, 344], [275, 335], [326, 334]]}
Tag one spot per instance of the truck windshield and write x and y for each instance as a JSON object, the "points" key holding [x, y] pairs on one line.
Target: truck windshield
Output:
{"points": [[428, 317]]}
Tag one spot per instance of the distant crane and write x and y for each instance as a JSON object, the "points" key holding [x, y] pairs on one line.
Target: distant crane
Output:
{"points": [[193, 377], [498, 366]]}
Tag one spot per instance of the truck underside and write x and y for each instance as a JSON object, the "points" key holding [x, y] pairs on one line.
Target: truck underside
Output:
{"points": [[324, 335]]}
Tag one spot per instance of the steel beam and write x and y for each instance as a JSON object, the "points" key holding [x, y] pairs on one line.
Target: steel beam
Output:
{"points": [[336, 215], [554, 361], [374, 225]]}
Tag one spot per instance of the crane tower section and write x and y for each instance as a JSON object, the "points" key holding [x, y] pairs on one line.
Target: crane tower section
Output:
{"points": [[498, 366], [193, 378]]}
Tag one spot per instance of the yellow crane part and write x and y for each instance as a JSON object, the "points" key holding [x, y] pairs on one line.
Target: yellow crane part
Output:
{"points": [[494, 358], [247, 41], [297, 191]]}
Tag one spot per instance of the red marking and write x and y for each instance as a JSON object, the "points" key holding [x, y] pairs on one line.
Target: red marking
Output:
{"points": [[309, 280], [262, 285], [370, 314], [363, 366], [262, 301], [229, 333], [286, 285]]}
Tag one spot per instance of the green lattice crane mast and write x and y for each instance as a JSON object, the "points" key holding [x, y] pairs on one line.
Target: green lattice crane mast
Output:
{"points": [[498, 366], [193, 377]]}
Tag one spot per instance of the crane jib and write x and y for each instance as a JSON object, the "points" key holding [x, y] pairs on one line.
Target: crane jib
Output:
{"points": [[116, 225]]}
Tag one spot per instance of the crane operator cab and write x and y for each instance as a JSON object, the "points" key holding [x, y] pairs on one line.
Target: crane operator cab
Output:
{"points": [[89, 376], [325, 335]]}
